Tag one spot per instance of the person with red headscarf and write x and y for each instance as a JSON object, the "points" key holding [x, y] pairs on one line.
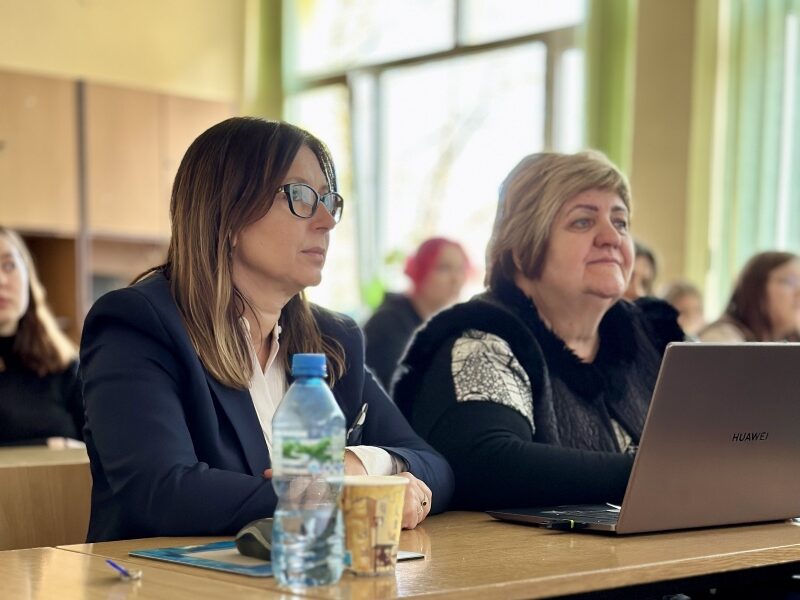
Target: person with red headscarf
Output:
{"points": [[437, 271]]}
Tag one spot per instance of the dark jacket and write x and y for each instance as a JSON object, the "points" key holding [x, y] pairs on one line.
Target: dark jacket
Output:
{"points": [[387, 333], [571, 455], [34, 408], [175, 452]]}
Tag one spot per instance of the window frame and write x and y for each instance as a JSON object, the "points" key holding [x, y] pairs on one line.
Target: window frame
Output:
{"points": [[370, 221]]}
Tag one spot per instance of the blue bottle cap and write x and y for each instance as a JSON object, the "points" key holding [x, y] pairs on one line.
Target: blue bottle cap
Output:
{"points": [[309, 365]]}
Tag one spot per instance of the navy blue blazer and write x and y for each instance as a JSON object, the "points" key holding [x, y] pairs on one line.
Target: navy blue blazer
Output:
{"points": [[175, 452]]}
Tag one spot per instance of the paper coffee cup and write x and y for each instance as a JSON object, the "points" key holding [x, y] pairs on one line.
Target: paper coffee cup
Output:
{"points": [[373, 517]]}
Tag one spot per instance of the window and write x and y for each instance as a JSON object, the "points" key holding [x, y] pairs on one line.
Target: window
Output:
{"points": [[427, 105], [756, 204], [325, 111], [330, 37], [445, 143]]}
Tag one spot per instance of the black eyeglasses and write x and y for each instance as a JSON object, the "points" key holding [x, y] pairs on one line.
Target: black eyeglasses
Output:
{"points": [[303, 201]]}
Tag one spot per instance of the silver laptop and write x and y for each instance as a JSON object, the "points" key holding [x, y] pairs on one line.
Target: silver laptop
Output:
{"points": [[720, 446]]}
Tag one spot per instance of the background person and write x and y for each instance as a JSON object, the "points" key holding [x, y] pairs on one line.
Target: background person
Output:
{"points": [[437, 270], [764, 305], [688, 301], [40, 396], [536, 391], [184, 370], [645, 269]]}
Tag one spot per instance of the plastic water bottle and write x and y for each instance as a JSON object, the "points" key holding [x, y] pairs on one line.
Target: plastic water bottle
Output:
{"points": [[308, 433]]}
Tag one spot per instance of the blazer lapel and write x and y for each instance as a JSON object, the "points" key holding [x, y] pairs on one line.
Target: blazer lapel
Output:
{"points": [[238, 406]]}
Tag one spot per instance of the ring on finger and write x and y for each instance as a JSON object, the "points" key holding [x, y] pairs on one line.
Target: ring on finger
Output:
{"points": [[424, 500]]}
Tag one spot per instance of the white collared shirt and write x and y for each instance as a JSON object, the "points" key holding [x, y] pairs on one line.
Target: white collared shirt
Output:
{"points": [[267, 388]]}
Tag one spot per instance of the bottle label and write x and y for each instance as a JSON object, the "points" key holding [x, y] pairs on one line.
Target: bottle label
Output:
{"points": [[302, 456]]}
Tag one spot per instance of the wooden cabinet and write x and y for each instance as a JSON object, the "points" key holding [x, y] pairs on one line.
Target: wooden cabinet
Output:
{"points": [[58, 263], [38, 153], [134, 143], [183, 119], [86, 173], [117, 262], [123, 162]]}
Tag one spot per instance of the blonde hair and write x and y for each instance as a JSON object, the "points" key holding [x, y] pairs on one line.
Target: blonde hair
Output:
{"points": [[680, 289], [39, 342], [530, 198], [227, 180]]}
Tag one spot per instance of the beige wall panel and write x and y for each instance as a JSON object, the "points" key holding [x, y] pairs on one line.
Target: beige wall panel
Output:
{"points": [[662, 121], [185, 47]]}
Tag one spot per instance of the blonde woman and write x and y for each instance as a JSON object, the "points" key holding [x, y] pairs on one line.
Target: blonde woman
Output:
{"points": [[536, 391], [183, 370], [40, 397]]}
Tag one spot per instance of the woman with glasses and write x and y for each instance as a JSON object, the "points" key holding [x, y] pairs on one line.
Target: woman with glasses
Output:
{"points": [[765, 304], [184, 369], [536, 391]]}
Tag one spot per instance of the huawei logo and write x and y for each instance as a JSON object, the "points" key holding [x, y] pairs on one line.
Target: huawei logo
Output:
{"points": [[750, 436]]}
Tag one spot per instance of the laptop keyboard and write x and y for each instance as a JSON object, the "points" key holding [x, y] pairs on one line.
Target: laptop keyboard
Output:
{"points": [[591, 514]]}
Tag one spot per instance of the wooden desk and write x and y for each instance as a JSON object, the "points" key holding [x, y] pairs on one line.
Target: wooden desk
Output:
{"points": [[37, 456], [52, 573], [472, 556], [44, 496]]}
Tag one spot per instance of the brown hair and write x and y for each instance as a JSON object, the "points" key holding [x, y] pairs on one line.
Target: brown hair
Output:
{"points": [[747, 306], [40, 344], [228, 179], [531, 196]]}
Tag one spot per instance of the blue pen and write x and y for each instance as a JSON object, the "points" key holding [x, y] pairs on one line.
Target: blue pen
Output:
{"points": [[123, 572]]}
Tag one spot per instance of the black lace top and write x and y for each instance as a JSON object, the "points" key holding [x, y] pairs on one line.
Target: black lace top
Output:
{"points": [[522, 420]]}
